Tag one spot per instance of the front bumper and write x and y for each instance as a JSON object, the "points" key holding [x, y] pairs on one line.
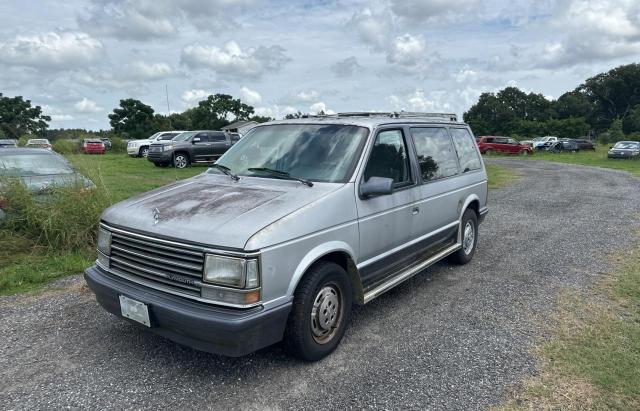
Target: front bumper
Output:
{"points": [[200, 326], [622, 155], [160, 156], [133, 151]]}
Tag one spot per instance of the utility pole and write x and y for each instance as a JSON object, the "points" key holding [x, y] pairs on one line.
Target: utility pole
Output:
{"points": [[166, 90]]}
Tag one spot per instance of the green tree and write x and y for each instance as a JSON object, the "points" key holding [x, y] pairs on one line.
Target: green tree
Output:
{"points": [[573, 104], [261, 119], [18, 117], [133, 119], [213, 112], [631, 122], [292, 116]]}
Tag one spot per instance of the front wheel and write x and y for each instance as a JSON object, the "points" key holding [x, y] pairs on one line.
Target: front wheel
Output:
{"points": [[180, 160], [144, 152], [469, 238], [320, 312], [524, 153]]}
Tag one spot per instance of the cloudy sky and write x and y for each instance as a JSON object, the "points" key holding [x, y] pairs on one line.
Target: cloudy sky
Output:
{"points": [[78, 58]]}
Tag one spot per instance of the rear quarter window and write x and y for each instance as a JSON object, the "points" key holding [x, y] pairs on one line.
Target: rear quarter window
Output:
{"points": [[436, 156], [466, 149]]}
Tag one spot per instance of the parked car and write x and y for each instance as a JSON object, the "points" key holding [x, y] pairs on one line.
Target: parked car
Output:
{"points": [[39, 143], [39, 170], [527, 143], [93, 146], [107, 143], [625, 149], [8, 143], [297, 221], [493, 144], [584, 144], [140, 148], [563, 145], [543, 143], [203, 146]]}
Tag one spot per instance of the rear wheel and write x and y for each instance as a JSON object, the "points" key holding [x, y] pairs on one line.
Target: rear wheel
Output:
{"points": [[180, 160], [320, 312], [469, 238]]}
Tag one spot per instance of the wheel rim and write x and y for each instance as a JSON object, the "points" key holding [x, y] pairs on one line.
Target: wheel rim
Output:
{"points": [[469, 238], [145, 152], [326, 313], [180, 161]]}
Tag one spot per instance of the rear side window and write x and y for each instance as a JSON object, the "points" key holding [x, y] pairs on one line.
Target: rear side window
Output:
{"points": [[217, 137], [389, 158], [467, 153], [436, 156]]}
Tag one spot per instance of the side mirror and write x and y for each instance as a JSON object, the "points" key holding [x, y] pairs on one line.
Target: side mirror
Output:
{"points": [[196, 140], [377, 186]]}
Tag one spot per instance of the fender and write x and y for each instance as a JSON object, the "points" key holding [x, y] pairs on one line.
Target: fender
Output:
{"points": [[470, 198], [314, 255]]}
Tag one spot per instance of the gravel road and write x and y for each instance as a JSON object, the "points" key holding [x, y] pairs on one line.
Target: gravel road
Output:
{"points": [[450, 338]]}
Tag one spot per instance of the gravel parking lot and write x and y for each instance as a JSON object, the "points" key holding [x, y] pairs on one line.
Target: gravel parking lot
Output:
{"points": [[450, 338]]}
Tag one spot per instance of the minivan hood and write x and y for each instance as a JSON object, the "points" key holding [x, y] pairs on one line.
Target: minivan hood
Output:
{"points": [[213, 210]]}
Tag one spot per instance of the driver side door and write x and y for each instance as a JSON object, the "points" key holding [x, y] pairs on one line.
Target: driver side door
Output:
{"points": [[386, 222]]}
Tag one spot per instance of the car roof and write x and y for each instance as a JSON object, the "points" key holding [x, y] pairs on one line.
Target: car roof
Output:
{"points": [[373, 120], [25, 150]]}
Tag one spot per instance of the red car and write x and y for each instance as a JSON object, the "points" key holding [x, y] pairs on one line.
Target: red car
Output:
{"points": [[494, 144], [93, 147]]}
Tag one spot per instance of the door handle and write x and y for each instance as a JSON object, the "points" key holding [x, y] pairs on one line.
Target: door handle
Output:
{"points": [[415, 210]]}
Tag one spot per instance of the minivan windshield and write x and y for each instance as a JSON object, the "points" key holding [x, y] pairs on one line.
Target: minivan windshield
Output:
{"points": [[314, 152]]}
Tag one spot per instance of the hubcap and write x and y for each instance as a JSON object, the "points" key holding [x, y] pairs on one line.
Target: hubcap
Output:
{"points": [[326, 313], [145, 152], [469, 237], [180, 162]]}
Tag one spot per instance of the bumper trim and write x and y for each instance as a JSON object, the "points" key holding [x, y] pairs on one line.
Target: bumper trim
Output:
{"points": [[204, 327]]}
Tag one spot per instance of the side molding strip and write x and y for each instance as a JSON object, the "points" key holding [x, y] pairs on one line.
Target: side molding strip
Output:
{"points": [[405, 275]]}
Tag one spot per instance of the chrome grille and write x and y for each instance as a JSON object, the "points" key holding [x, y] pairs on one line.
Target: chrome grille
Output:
{"points": [[169, 265], [155, 149]]}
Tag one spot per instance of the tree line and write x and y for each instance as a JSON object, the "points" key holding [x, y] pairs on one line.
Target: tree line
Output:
{"points": [[606, 105]]}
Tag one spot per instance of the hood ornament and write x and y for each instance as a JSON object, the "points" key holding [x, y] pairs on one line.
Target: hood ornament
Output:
{"points": [[156, 215]]}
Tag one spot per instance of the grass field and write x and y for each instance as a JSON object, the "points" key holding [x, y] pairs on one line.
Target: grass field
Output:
{"points": [[596, 158], [592, 360], [25, 267]]}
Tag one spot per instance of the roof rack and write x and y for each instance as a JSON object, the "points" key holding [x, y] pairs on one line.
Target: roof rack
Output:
{"points": [[392, 114]]}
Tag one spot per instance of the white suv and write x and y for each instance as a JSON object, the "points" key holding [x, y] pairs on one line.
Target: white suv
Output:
{"points": [[140, 148]]}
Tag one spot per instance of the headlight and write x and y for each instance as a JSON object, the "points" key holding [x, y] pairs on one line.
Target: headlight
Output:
{"points": [[104, 241], [231, 271], [167, 147]]}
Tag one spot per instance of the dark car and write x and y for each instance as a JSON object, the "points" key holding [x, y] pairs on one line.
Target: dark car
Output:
{"points": [[107, 143], [494, 144], [625, 149], [39, 170], [584, 144], [564, 144], [203, 146], [8, 143]]}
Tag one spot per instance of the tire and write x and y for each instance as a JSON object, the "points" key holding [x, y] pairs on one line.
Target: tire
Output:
{"points": [[489, 152], [181, 160], [144, 152], [320, 312], [524, 153], [465, 254]]}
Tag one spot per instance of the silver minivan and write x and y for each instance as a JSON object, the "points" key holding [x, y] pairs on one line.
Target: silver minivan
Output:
{"points": [[297, 222]]}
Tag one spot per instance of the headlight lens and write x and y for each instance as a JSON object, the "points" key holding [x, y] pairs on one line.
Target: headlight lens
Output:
{"points": [[231, 271], [104, 241]]}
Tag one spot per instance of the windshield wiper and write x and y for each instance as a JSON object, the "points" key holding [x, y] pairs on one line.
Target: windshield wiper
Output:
{"points": [[282, 174], [226, 170]]}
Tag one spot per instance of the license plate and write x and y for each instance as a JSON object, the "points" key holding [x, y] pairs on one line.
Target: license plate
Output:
{"points": [[135, 310]]}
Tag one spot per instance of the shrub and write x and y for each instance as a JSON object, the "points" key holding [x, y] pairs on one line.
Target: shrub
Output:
{"points": [[118, 145], [63, 219], [64, 146]]}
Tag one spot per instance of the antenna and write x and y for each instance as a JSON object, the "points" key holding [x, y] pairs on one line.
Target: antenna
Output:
{"points": [[166, 90]]}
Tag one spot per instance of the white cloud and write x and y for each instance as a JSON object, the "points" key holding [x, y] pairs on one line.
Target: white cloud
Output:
{"points": [[140, 70], [87, 106], [234, 62], [316, 108], [346, 67], [406, 50], [436, 101], [192, 97], [250, 97], [307, 96], [429, 9], [61, 117], [373, 27], [56, 50]]}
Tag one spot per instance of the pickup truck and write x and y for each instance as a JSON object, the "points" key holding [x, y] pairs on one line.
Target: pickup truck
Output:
{"points": [[201, 146], [140, 148]]}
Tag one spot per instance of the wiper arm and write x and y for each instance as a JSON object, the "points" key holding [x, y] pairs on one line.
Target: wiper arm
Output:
{"points": [[283, 174], [226, 170]]}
